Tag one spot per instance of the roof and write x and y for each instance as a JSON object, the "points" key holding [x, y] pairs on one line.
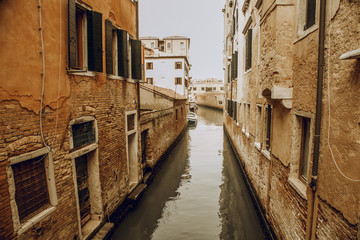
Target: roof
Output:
{"points": [[163, 91], [148, 37], [176, 37]]}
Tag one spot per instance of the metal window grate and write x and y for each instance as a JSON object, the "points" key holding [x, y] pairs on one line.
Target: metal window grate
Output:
{"points": [[131, 122], [83, 134], [31, 193]]}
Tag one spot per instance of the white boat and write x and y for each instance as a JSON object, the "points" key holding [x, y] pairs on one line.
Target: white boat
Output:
{"points": [[192, 118]]}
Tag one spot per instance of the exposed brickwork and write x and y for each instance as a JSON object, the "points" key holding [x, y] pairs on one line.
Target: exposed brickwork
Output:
{"points": [[286, 207], [163, 129], [331, 224]]}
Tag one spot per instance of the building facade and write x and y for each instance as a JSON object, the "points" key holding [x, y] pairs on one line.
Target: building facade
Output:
{"points": [[291, 82], [209, 92], [167, 63], [69, 110]]}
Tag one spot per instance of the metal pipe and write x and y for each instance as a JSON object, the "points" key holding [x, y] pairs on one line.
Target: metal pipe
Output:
{"points": [[320, 78]]}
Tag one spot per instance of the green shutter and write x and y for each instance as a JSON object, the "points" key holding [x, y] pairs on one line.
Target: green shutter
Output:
{"points": [[94, 21], [136, 59], [123, 63], [108, 47], [72, 36]]}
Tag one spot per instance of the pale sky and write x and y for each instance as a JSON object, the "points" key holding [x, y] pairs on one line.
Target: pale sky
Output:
{"points": [[200, 20]]}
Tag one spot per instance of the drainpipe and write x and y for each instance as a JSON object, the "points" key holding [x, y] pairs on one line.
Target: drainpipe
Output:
{"points": [[142, 52], [320, 78]]}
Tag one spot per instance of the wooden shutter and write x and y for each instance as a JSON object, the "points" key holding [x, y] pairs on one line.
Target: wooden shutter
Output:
{"points": [[72, 35], [229, 73], [108, 47], [235, 65], [136, 59], [248, 49], [123, 63], [94, 22]]}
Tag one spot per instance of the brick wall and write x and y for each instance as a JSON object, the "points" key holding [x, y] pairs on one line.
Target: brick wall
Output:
{"points": [[163, 129]]}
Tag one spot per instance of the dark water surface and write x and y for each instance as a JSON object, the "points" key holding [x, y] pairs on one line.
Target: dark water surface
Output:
{"points": [[199, 193]]}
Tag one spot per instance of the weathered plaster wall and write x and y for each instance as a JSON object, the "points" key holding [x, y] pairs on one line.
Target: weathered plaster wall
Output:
{"points": [[66, 98], [154, 101], [343, 77]]}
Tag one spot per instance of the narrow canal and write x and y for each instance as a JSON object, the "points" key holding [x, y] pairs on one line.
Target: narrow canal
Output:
{"points": [[199, 193]]}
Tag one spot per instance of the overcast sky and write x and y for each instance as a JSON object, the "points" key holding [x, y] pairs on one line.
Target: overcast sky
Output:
{"points": [[200, 20]]}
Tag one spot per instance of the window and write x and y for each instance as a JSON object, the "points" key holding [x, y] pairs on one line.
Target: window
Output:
{"points": [[116, 49], [176, 114], [220, 102], [202, 89], [136, 69], [149, 81], [248, 51], [131, 122], [85, 38], [214, 88], [178, 65], [178, 81], [31, 192], [149, 65], [247, 127], [83, 134], [258, 126], [152, 45], [194, 88], [168, 45], [234, 65], [31, 175], [222, 88], [305, 146], [310, 13], [182, 45], [186, 83], [267, 134]]}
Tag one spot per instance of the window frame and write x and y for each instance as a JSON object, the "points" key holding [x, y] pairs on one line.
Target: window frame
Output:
{"points": [[20, 226], [149, 65], [178, 80], [178, 65]]}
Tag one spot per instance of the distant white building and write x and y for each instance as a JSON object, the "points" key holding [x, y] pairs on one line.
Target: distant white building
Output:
{"points": [[209, 92], [167, 62]]}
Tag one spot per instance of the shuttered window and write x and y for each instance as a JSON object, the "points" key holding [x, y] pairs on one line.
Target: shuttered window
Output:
{"points": [[109, 47], [94, 24], [78, 45], [268, 128], [248, 52], [72, 33], [31, 191], [123, 61], [136, 70], [234, 65]]}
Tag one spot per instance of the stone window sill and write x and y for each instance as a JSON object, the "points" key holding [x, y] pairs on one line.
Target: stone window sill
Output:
{"points": [[33, 221], [299, 186], [257, 145], [305, 33], [266, 154], [81, 73]]}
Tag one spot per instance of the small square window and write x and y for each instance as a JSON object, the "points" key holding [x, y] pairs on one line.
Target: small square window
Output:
{"points": [[178, 81], [83, 134], [149, 65], [149, 81], [178, 65], [168, 45]]}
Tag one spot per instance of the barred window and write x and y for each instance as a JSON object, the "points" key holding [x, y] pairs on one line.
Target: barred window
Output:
{"points": [[83, 134]]}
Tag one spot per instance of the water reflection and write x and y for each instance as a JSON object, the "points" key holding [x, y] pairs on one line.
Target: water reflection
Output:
{"points": [[199, 193]]}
